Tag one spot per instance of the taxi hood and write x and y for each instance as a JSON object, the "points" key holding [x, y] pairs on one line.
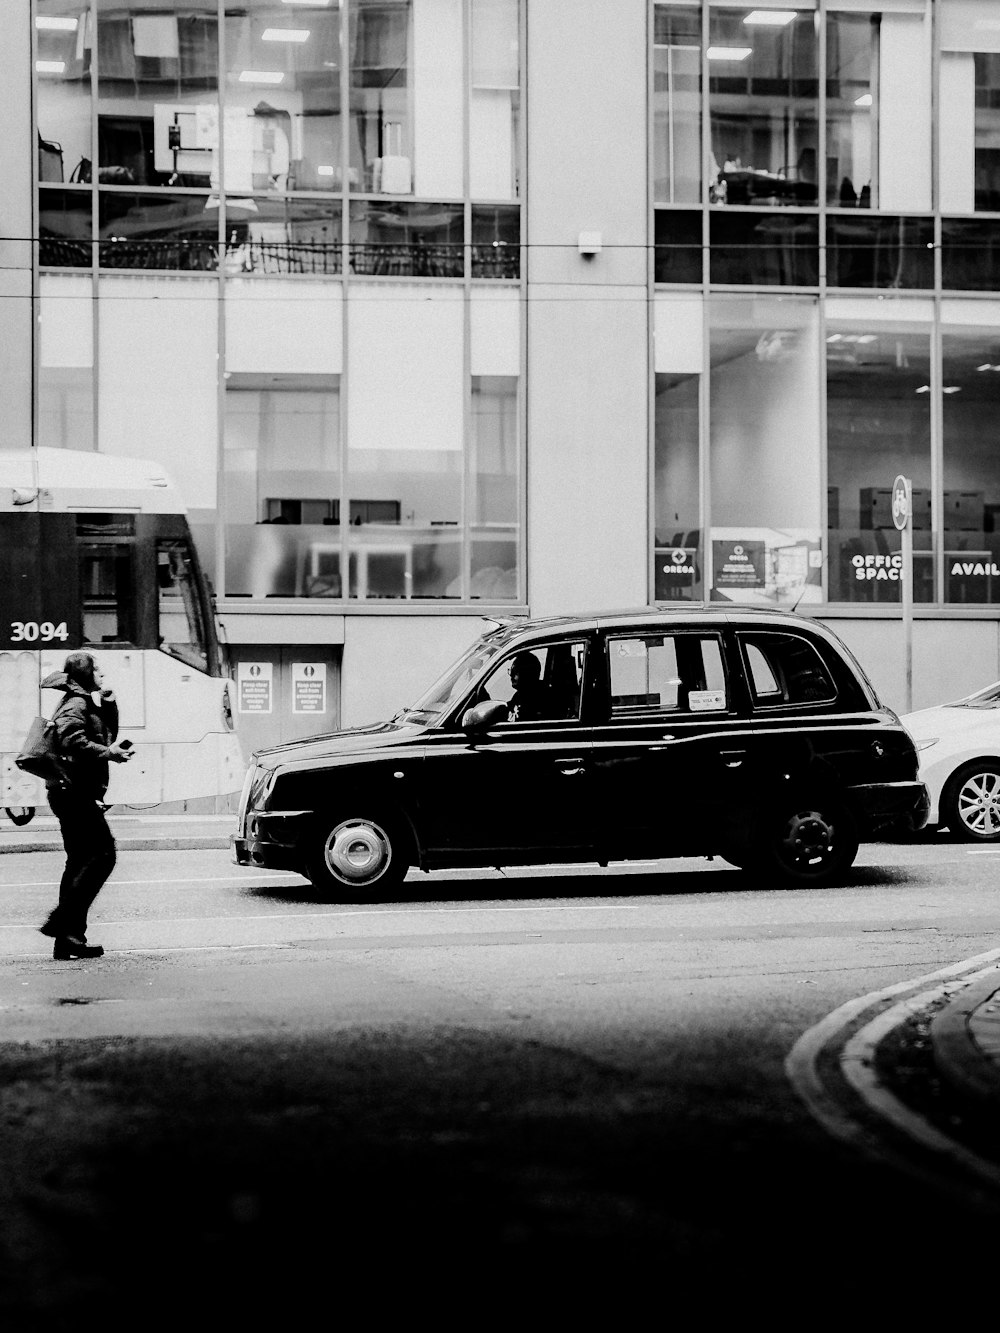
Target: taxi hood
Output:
{"points": [[337, 744]]}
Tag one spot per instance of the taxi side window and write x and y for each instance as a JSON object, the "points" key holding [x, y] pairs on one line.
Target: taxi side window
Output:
{"points": [[786, 669], [549, 690], [673, 673]]}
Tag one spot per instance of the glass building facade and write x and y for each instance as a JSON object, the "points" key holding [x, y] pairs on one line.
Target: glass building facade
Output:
{"points": [[327, 262]]}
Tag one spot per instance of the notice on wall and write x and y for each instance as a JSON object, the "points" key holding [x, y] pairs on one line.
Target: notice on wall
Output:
{"points": [[308, 687], [255, 687], [738, 564]]}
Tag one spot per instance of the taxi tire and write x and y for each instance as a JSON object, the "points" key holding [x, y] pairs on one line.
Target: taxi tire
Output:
{"points": [[812, 841], [373, 852], [950, 813]]}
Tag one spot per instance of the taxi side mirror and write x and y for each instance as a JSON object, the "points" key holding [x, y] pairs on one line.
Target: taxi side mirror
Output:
{"points": [[478, 720]]}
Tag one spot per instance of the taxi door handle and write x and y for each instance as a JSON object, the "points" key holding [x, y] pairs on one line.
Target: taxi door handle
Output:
{"points": [[667, 736], [733, 758], [569, 768]]}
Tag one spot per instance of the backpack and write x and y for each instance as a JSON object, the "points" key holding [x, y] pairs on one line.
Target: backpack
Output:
{"points": [[39, 755]]}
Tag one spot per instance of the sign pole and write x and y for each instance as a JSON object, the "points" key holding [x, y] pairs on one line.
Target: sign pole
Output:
{"points": [[902, 517]]}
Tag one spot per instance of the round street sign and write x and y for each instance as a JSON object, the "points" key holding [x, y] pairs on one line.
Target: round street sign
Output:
{"points": [[900, 502]]}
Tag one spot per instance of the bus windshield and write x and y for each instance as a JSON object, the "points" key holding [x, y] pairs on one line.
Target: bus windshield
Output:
{"points": [[181, 630]]}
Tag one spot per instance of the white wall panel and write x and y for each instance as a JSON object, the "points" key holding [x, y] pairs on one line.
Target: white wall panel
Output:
{"points": [[66, 320], [437, 97], [157, 386], [284, 327], [904, 112], [495, 332], [405, 361], [678, 338], [957, 133], [410, 653]]}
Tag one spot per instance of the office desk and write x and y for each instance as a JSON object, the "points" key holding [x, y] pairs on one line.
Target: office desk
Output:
{"points": [[747, 187]]}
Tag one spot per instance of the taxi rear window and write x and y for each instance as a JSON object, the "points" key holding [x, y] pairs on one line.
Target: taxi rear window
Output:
{"points": [[785, 669]]}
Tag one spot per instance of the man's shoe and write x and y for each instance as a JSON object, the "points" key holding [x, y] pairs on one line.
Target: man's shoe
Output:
{"points": [[67, 948]]}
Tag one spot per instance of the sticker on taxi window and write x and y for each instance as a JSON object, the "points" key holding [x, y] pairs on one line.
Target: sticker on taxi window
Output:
{"points": [[704, 701]]}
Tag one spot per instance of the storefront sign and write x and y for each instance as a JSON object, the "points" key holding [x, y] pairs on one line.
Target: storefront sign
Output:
{"points": [[738, 564], [308, 687], [255, 686], [877, 567]]}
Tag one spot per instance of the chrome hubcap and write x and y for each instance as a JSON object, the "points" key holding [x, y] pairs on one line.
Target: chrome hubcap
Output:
{"points": [[808, 839], [358, 851], [979, 804]]}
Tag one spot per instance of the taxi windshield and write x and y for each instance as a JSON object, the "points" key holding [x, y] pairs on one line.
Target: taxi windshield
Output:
{"points": [[449, 688]]}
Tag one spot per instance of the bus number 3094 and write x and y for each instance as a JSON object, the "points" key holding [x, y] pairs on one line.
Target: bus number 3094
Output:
{"points": [[28, 631]]}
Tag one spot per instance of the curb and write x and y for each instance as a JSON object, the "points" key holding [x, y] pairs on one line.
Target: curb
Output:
{"points": [[960, 1059], [195, 843]]}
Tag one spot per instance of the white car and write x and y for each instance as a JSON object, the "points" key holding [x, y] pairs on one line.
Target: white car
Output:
{"points": [[959, 750]]}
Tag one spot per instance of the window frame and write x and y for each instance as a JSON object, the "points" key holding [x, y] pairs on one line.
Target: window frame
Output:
{"points": [[644, 712], [744, 636]]}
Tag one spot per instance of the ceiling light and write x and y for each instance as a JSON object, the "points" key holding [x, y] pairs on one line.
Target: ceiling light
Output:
{"points": [[50, 66], [53, 24], [924, 388], [835, 338], [261, 76], [864, 100], [285, 35], [988, 366], [728, 52], [326, 171], [772, 18], [952, 388]]}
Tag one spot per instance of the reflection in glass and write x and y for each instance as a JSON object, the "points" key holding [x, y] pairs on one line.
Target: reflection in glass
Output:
{"points": [[676, 104], [677, 555], [987, 143], [282, 483], [970, 254], [852, 42], [970, 364], [763, 98], [878, 427], [269, 235], [158, 107], [63, 49], [494, 487], [157, 231], [764, 424], [677, 253], [282, 97], [494, 100], [496, 241], [65, 228], [780, 249], [879, 251], [381, 127], [407, 240]]}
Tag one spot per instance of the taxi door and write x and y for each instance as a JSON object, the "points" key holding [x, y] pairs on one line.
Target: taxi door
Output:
{"points": [[671, 762]]}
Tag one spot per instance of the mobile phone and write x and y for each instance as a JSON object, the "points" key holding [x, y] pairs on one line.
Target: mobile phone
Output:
{"points": [[126, 745]]}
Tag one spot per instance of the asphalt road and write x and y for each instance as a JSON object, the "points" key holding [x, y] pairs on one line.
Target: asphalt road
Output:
{"points": [[573, 1079]]}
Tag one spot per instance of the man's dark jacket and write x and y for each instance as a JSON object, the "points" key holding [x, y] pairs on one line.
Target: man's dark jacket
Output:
{"points": [[84, 732]]}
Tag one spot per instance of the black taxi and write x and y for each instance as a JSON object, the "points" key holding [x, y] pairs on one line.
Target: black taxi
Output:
{"points": [[750, 735]]}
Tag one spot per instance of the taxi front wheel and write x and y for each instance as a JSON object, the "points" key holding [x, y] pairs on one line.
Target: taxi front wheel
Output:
{"points": [[359, 859], [810, 842]]}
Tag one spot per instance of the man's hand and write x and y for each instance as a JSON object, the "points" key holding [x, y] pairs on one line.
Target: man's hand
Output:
{"points": [[120, 752]]}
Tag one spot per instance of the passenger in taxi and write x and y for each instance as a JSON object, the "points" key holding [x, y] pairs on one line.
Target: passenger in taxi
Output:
{"points": [[532, 700]]}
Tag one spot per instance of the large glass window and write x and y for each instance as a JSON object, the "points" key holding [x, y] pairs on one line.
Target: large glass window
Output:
{"points": [[878, 394], [763, 97], [494, 105], [764, 425], [676, 104], [282, 128], [772, 249], [970, 364], [63, 46], [381, 113], [393, 239], [677, 554], [969, 118], [158, 106], [970, 254], [677, 235], [494, 479], [883, 251], [852, 42]]}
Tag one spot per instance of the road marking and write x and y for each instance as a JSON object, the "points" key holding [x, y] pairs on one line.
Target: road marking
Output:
{"points": [[857, 1064], [982, 851]]}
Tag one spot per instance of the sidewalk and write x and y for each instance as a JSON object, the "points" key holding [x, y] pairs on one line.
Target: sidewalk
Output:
{"points": [[965, 1037], [134, 832]]}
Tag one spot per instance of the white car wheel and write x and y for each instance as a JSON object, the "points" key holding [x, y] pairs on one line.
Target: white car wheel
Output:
{"points": [[970, 805]]}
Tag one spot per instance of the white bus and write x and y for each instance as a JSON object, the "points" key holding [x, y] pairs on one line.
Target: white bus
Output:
{"points": [[96, 553]]}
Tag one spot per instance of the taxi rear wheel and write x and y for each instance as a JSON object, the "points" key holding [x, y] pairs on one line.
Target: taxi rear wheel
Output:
{"points": [[970, 804], [812, 841], [360, 859]]}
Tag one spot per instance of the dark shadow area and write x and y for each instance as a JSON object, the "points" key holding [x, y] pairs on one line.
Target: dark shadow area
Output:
{"points": [[438, 1173], [431, 888]]}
